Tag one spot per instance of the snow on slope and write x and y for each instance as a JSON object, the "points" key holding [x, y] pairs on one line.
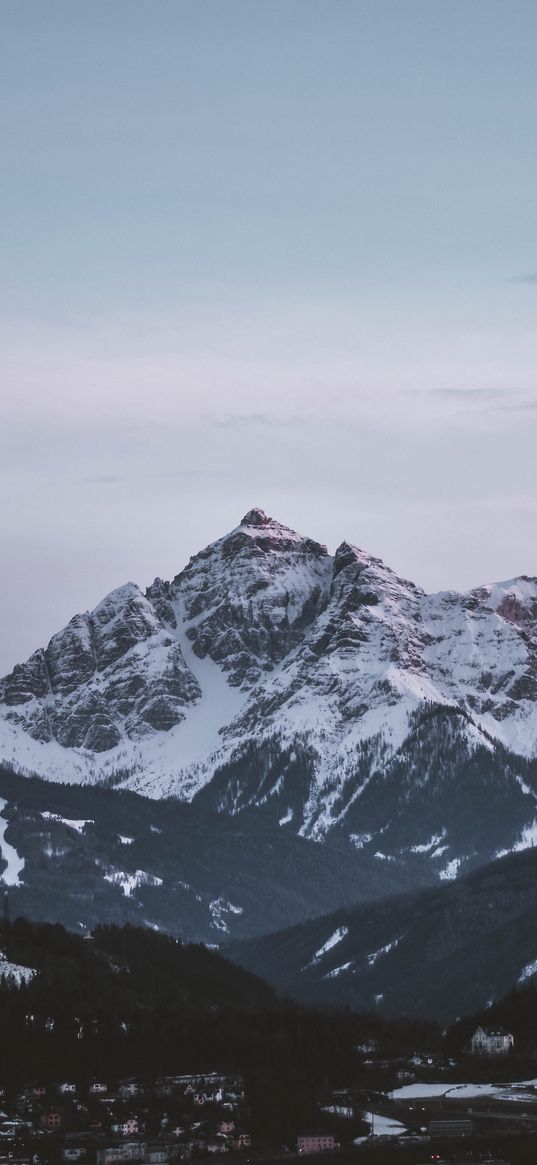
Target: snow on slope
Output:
{"points": [[528, 971], [266, 642], [385, 950], [332, 941], [527, 840], [338, 970], [15, 971], [189, 747], [15, 864], [129, 882], [78, 825]]}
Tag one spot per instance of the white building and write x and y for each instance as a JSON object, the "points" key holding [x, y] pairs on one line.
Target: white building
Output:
{"points": [[487, 1041]]}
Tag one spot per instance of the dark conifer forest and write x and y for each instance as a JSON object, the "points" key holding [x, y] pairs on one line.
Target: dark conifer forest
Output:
{"points": [[131, 1001]]}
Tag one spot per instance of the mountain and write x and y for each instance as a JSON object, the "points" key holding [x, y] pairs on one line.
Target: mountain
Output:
{"points": [[319, 692], [80, 855], [439, 952], [119, 1000], [126, 1001]]}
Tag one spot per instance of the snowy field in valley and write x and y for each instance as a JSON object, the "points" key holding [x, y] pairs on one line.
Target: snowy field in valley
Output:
{"points": [[381, 1126], [522, 1090]]}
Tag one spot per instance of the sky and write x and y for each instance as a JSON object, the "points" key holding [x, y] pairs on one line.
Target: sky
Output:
{"points": [[276, 253]]}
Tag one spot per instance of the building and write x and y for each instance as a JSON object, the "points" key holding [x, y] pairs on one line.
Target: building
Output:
{"points": [[217, 1144], [128, 1151], [316, 1142], [451, 1128], [51, 1119], [128, 1089], [127, 1128], [241, 1141], [339, 1109], [487, 1041]]}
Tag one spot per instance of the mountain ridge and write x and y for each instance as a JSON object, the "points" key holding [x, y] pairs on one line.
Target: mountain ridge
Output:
{"points": [[270, 676], [81, 855], [439, 952]]}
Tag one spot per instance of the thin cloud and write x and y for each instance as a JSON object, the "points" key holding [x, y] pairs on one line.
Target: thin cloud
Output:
{"points": [[188, 474], [179, 474], [531, 277], [527, 406], [462, 393], [472, 393], [104, 479], [259, 420]]}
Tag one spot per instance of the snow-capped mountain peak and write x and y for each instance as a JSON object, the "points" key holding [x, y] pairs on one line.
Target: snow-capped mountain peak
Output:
{"points": [[515, 600], [271, 675]]}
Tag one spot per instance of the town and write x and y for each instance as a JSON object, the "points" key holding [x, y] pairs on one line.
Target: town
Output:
{"points": [[425, 1107], [167, 1119]]}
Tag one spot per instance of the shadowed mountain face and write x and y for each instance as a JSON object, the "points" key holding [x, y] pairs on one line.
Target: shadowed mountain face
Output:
{"points": [[321, 693], [440, 952], [84, 854]]}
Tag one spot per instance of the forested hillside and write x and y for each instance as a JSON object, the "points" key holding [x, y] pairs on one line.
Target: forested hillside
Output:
{"points": [[127, 1000], [439, 952], [84, 854]]}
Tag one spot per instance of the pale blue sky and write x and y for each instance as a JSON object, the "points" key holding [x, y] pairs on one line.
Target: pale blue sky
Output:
{"points": [[264, 252]]}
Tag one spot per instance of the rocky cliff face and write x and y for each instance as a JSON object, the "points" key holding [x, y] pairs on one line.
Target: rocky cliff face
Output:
{"points": [[114, 672], [322, 691], [249, 599]]}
